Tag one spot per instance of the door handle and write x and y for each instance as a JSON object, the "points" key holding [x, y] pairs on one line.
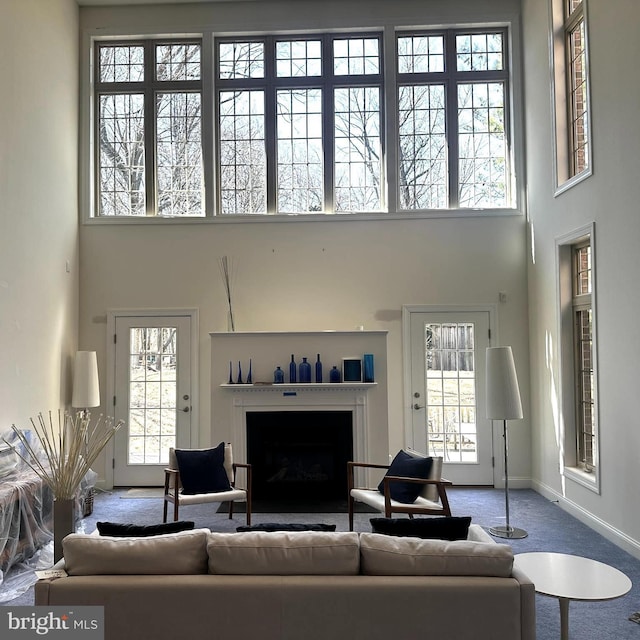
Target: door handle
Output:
{"points": [[187, 409], [417, 406]]}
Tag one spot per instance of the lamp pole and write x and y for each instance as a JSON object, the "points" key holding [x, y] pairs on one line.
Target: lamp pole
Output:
{"points": [[507, 531], [503, 403]]}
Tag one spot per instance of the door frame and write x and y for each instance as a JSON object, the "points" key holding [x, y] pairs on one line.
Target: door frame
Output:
{"points": [[112, 315], [407, 310]]}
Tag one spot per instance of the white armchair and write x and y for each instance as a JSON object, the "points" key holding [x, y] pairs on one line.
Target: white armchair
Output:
{"points": [[432, 495], [173, 489]]}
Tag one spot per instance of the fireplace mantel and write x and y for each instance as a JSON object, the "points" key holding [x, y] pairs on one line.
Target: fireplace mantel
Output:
{"points": [[302, 387], [266, 350]]}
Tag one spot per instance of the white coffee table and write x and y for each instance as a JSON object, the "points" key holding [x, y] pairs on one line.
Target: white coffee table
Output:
{"points": [[568, 577]]}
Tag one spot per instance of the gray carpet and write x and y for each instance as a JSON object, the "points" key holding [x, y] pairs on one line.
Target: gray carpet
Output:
{"points": [[549, 527]]}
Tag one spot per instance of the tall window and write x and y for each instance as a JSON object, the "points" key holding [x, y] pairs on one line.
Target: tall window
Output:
{"points": [[452, 107], [149, 129], [297, 124], [578, 391], [583, 350], [571, 91]]}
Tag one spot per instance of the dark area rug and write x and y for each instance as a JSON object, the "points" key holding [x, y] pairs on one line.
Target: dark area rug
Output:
{"points": [[297, 506]]}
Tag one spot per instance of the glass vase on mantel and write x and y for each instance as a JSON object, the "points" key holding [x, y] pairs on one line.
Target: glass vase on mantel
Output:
{"points": [[305, 371], [292, 370], [64, 523], [318, 370]]}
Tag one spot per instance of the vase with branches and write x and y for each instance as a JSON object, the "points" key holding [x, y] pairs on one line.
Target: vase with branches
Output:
{"points": [[61, 454], [227, 272]]}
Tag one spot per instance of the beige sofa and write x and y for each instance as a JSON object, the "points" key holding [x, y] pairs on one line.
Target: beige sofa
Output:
{"points": [[296, 586]]}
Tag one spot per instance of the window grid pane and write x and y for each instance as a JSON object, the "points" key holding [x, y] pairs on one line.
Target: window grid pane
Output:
{"points": [[421, 54], [179, 154], [357, 149], [585, 397], [177, 62], [242, 152], [423, 147], [482, 145], [451, 391], [578, 97], [356, 56], [152, 394], [122, 63], [479, 52], [571, 5], [298, 58], [300, 161], [241, 60], [582, 283], [122, 159]]}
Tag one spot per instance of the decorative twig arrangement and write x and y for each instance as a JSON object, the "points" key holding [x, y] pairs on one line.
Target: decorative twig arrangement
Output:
{"points": [[226, 271], [68, 451]]}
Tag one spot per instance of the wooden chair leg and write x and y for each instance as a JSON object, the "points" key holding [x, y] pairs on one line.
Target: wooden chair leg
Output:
{"points": [[176, 505], [230, 509], [351, 513], [164, 511]]}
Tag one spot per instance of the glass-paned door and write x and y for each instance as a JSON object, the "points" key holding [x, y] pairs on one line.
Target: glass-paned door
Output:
{"points": [[153, 396], [447, 382]]}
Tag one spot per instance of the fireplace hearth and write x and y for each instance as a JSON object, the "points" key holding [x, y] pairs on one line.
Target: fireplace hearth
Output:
{"points": [[299, 455]]}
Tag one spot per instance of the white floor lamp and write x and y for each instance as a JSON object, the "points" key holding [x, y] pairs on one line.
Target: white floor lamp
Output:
{"points": [[503, 403], [86, 385]]}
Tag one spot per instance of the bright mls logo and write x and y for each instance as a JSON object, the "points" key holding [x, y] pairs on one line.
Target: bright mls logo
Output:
{"points": [[52, 622]]}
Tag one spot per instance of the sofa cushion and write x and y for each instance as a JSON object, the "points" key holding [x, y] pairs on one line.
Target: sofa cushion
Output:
{"points": [[407, 466], [439, 527], [284, 553], [118, 530], [294, 526], [169, 554], [388, 555], [202, 470]]}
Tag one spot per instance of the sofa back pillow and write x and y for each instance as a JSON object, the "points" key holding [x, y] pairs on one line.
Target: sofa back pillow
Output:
{"points": [[284, 553], [169, 554], [441, 528], [130, 530], [392, 556]]}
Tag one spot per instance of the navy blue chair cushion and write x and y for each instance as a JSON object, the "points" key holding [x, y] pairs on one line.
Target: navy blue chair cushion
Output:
{"points": [[202, 470], [407, 466]]}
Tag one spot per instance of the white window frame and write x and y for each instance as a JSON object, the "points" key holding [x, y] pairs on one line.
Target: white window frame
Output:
{"points": [[561, 109], [570, 465], [515, 143]]}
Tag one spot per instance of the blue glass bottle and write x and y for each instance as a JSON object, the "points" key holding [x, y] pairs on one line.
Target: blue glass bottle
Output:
{"points": [[334, 374], [305, 371], [278, 376], [318, 370], [292, 370]]}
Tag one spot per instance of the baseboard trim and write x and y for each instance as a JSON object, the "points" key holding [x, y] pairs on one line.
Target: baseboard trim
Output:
{"points": [[619, 538]]}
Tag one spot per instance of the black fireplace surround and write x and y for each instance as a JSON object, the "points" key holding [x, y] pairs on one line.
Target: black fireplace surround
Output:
{"points": [[299, 455]]}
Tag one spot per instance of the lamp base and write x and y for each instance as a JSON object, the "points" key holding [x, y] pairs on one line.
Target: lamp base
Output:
{"points": [[508, 532]]}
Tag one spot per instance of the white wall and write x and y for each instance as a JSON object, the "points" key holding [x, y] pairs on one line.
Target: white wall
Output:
{"points": [[303, 275], [610, 198], [38, 206]]}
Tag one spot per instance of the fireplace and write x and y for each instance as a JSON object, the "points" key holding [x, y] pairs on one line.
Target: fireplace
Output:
{"points": [[299, 455]]}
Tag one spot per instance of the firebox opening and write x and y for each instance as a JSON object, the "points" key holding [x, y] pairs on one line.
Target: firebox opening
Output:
{"points": [[299, 455]]}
